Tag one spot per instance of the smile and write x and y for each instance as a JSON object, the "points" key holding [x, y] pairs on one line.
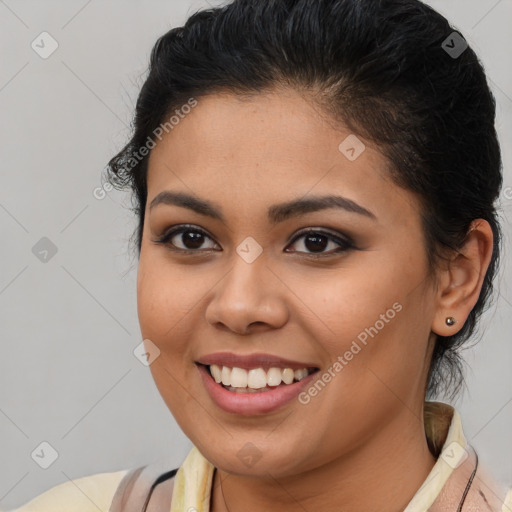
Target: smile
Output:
{"points": [[237, 397], [256, 379]]}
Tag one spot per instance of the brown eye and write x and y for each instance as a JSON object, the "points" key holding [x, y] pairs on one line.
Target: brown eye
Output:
{"points": [[185, 238], [317, 241], [192, 239]]}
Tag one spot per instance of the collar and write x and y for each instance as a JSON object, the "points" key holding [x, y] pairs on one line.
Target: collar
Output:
{"points": [[447, 442], [445, 438]]}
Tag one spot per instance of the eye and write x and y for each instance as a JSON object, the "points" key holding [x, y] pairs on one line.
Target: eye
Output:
{"points": [[317, 241], [190, 237]]}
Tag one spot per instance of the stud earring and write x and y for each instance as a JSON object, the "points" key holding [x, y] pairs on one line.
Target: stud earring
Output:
{"points": [[450, 320]]}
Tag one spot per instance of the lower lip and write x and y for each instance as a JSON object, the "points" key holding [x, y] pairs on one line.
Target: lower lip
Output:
{"points": [[251, 403]]}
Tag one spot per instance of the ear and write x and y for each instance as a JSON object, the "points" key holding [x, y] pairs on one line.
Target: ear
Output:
{"points": [[460, 280]]}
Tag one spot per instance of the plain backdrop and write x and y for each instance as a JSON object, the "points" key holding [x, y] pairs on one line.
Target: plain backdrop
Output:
{"points": [[68, 316]]}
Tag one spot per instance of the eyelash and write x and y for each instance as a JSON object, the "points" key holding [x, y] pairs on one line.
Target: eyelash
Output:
{"points": [[346, 244]]}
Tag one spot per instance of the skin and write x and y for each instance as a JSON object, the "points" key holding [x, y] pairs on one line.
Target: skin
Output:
{"points": [[360, 442]]}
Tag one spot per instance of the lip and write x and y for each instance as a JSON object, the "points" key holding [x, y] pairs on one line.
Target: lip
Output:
{"points": [[250, 361], [249, 404]]}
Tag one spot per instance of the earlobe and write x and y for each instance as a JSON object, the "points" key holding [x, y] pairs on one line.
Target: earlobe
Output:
{"points": [[461, 280]]}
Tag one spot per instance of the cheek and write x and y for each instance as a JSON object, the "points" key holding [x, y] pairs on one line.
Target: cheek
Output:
{"points": [[375, 317], [164, 299], [345, 304], [162, 306]]}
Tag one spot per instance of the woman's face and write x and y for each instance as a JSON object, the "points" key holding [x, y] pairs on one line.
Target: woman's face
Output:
{"points": [[357, 307]]}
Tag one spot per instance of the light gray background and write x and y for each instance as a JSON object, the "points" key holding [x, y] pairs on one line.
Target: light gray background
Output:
{"points": [[69, 326]]}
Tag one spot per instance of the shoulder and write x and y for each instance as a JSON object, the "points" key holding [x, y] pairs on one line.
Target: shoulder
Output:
{"points": [[87, 494], [488, 493]]}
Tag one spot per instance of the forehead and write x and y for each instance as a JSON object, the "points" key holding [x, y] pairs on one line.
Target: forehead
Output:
{"points": [[264, 148]]}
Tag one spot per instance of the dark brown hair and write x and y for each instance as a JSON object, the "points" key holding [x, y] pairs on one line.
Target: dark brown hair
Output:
{"points": [[379, 66]]}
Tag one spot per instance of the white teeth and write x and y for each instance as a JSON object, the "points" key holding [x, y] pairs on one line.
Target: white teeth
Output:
{"points": [[216, 373], [300, 374], [274, 376], [255, 378], [288, 376], [226, 376], [239, 378]]}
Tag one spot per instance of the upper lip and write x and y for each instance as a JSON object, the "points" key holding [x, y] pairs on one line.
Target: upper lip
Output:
{"points": [[252, 361]]}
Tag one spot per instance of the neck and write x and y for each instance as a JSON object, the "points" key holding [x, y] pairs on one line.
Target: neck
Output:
{"points": [[383, 474]]}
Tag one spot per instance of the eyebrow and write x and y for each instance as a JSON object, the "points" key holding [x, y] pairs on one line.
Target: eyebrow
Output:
{"points": [[276, 213]]}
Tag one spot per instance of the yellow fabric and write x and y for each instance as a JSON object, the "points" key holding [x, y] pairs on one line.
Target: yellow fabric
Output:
{"points": [[193, 481], [87, 494]]}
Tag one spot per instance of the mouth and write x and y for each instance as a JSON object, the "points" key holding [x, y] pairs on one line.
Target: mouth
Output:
{"points": [[256, 380], [254, 391]]}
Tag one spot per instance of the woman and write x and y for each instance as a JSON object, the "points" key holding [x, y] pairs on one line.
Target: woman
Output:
{"points": [[315, 186]]}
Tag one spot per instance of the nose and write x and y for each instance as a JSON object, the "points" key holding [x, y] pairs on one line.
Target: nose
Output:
{"points": [[249, 298]]}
